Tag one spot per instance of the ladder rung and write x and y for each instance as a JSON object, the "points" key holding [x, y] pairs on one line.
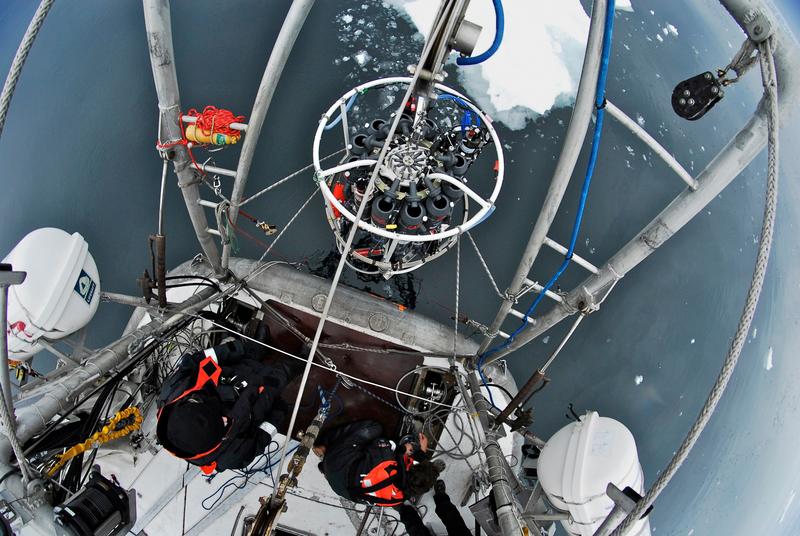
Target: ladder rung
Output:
{"points": [[522, 316], [578, 259], [235, 126], [212, 231], [538, 288], [217, 170], [209, 204]]}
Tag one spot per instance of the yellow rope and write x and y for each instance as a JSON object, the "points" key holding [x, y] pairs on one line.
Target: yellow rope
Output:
{"points": [[106, 434]]}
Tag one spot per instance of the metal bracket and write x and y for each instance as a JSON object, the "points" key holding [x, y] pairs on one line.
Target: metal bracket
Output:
{"points": [[758, 26], [8, 277], [624, 503]]}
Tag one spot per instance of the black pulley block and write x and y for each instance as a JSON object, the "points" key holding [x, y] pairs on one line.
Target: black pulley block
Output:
{"points": [[695, 96]]}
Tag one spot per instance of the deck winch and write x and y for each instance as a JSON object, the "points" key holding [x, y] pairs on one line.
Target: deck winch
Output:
{"points": [[420, 201]]}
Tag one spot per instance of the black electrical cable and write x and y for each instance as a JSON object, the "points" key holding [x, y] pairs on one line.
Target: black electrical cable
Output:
{"points": [[9, 473], [179, 285], [510, 396], [200, 277], [134, 362]]}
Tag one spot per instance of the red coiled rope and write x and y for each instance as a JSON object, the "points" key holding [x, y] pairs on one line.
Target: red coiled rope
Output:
{"points": [[218, 120], [212, 120]]}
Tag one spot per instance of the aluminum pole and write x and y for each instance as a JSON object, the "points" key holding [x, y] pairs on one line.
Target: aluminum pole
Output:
{"points": [[162, 59], [656, 147], [508, 517], [720, 172], [573, 142], [292, 25], [7, 278], [55, 396]]}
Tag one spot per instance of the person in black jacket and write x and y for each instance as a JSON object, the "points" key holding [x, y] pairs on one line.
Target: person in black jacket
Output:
{"points": [[362, 466], [211, 408]]}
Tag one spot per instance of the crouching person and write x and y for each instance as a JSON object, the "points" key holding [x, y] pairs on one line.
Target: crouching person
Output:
{"points": [[211, 408], [362, 466]]}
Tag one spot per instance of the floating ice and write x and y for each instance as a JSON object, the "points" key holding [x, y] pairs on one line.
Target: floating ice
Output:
{"points": [[362, 57], [638, 379], [691, 342], [768, 360], [539, 63], [347, 18], [624, 5], [640, 119], [671, 30]]}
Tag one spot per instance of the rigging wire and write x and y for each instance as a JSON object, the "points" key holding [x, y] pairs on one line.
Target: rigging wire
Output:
{"points": [[351, 236], [331, 370], [19, 58], [748, 311], [288, 177], [600, 105]]}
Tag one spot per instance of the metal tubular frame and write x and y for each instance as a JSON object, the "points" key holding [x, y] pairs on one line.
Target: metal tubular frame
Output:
{"points": [[573, 142], [292, 25], [657, 148], [718, 174], [32, 418], [486, 205], [508, 515], [162, 59], [7, 278]]}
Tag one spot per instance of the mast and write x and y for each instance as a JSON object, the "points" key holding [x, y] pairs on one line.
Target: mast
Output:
{"points": [[162, 59], [573, 142], [292, 25]]}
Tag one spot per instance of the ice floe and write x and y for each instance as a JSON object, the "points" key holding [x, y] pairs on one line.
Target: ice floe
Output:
{"points": [[538, 65]]}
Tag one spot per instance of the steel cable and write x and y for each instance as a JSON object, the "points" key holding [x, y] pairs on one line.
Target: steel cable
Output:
{"points": [[19, 58], [757, 282]]}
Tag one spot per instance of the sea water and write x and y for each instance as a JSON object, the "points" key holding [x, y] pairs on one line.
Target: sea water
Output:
{"points": [[78, 152]]}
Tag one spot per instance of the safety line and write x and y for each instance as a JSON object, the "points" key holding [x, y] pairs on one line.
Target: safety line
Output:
{"points": [[333, 371]]}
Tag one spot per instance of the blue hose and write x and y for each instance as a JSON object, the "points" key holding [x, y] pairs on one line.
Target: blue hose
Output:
{"points": [[600, 99], [499, 27], [346, 109], [467, 117], [458, 100]]}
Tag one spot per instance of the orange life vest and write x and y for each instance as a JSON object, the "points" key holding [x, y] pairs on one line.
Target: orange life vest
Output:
{"points": [[380, 485], [208, 371]]}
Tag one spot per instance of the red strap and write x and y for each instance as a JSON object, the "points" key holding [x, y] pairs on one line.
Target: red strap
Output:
{"points": [[210, 468], [208, 370]]}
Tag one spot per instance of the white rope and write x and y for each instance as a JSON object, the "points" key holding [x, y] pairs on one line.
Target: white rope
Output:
{"points": [[288, 177], [259, 268], [332, 370], [742, 61], [458, 289], [19, 58], [485, 266], [759, 272], [351, 236], [7, 421]]}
